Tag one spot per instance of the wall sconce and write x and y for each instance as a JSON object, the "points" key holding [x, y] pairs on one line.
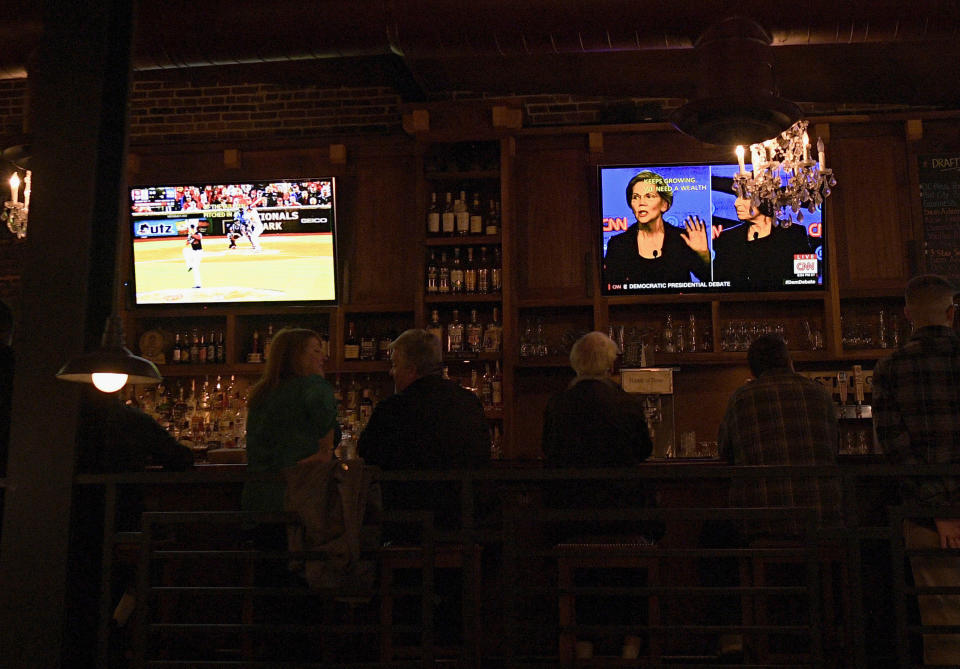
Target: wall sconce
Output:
{"points": [[111, 366], [15, 213]]}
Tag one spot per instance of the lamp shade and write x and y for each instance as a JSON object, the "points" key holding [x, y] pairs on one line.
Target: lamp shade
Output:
{"points": [[111, 358]]}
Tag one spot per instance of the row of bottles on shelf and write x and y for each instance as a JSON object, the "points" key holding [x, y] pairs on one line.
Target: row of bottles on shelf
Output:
{"points": [[880, 330], [462, 217], [259, 349], [471, 274], [204, 416], [471, 337], [368, 345], [196, 346]]}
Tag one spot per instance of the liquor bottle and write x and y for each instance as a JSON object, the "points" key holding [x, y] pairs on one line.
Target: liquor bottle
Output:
{"points": [[353, 395], [493, 335], [469, 273], [496, 271], [212, 347], [447, 218], [368, 346], [474, 333], [255, 355], [483, 272], [474, 382], [383, 344], [185, 348], [486, 386], [692, 334], [324, 342], [455, 334], [432, 274], [268, 341], [177, 349], [351, 345], [493, 219], [433, 217], [443, 275], [456, 272], [435, 327], [462, 215], [195, 346], [202, 349], [476, 217], [221, 348], [496, 386]]}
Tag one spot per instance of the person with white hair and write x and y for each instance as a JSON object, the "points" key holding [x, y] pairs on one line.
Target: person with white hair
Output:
{"points": [[594, 422]]}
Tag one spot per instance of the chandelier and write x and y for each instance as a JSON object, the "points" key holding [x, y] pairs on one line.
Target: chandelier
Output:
{"points": [[15, 212], [783, 174]]}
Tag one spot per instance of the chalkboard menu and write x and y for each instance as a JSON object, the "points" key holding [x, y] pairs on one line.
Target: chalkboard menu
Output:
{"points": [[940, 198]]}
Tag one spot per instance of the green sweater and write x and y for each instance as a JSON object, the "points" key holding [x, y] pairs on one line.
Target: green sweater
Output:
{"points": [[284, 427]]}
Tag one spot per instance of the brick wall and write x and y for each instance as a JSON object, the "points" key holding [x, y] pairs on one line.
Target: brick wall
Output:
{"points": [[164, 111]]}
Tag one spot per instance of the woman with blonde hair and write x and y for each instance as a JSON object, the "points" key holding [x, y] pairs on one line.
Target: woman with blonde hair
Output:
{"points": [[292, 415]]}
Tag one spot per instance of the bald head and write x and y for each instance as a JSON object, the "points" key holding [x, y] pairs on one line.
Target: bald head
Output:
{"points": [[929, 301]]}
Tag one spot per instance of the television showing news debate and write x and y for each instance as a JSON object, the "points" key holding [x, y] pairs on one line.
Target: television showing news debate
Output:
{"points": [[682, 229], [265, 241]]}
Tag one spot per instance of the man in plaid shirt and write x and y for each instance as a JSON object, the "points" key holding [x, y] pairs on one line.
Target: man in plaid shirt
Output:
{"points": [[781, 418], [916, 412]]}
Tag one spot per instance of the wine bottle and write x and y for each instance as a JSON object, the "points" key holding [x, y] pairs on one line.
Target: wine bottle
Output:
{"points": [[447, 226], [432, 274], [462, 215], [433, 217], [456, 272], [455, 333], [469, 273], [474, 333], [351, 345], [476, 217]]}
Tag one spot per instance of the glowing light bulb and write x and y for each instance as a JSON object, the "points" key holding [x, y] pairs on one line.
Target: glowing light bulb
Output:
{"points": [[108, 383], [743, 167], [15, 187]]}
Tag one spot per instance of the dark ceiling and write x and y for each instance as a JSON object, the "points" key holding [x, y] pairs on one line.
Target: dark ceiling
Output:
{"points": [[823, 51]]}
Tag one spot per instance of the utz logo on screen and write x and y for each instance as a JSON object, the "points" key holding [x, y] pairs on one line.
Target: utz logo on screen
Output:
{"points": [[805, 264]]}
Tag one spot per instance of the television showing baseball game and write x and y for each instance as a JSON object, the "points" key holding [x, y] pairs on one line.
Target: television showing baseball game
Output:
{"points": [[210, 243], [683, 229]]}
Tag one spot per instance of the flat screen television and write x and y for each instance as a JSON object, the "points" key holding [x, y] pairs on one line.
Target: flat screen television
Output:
{"points": [[711, 242], [223, 243]]}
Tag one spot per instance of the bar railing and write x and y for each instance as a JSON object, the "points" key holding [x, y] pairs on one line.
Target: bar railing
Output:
{"points": [[499, 514]]}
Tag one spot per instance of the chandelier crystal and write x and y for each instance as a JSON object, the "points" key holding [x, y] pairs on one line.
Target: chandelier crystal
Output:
{"points": [[784, 176]]}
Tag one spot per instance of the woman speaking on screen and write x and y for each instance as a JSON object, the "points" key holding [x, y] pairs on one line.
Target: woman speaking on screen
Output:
{"points": [[651, 250]]}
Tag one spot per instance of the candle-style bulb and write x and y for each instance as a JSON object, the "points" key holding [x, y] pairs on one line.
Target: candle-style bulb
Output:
{"points": [[15, 187], [743, 168], [821, 156]]}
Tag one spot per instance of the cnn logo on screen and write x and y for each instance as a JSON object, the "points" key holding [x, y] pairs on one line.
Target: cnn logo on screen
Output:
{"points": [[805, 264]]}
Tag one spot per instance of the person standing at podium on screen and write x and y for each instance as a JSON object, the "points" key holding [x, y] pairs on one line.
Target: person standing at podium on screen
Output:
{"points": [[652, 250]]}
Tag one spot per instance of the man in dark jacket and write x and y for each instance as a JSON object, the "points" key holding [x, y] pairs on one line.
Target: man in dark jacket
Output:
{"points": [[431, 422]]}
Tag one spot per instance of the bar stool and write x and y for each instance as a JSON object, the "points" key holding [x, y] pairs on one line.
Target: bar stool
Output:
{"points": [[573, 556], [755, 571], [446, 556]]}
